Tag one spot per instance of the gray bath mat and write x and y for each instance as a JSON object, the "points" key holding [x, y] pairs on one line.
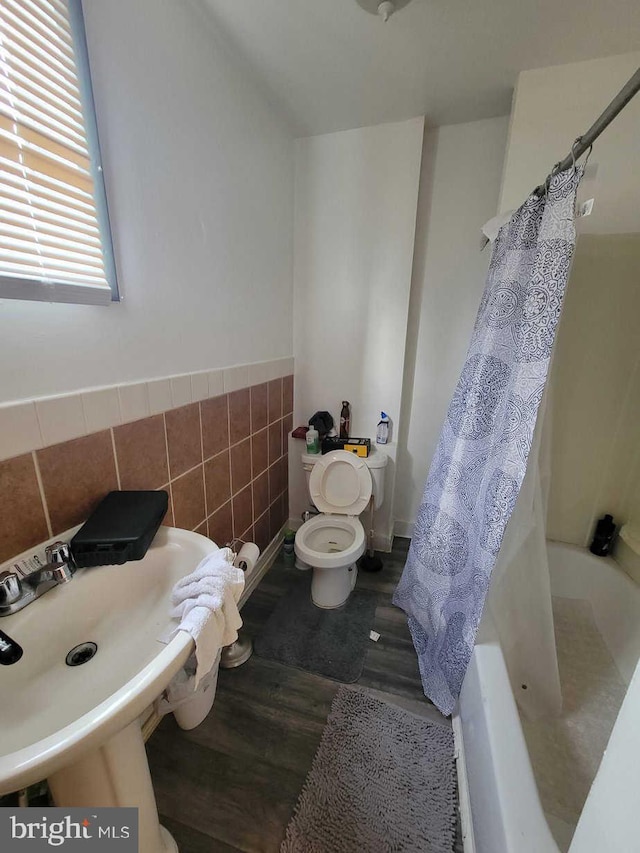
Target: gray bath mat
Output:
{"points": [[332, 643], [383, 779]]}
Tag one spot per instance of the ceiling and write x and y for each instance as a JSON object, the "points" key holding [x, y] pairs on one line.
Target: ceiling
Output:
{"points": [[328, 65]]}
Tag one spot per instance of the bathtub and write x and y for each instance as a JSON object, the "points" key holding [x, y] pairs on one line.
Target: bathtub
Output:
{"points": [[500, 806]]}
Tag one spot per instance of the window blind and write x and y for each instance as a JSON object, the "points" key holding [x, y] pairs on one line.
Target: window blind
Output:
{"points": [[54, 238]]}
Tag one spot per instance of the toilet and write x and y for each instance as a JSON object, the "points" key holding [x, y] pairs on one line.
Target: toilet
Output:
{"points": [[340, 486]]}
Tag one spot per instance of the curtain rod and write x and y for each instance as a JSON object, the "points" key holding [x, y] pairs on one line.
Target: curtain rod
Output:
{"points": [[583, 143]]}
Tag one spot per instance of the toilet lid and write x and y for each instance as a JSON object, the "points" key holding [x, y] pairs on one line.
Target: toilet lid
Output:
{"points": [[340, 483]]}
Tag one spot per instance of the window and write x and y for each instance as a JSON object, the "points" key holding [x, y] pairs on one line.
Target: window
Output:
{"points": [[55, 243]]}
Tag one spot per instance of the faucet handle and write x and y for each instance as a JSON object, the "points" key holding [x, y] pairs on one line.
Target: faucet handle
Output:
{"points": [[58, 553], [10, 588], [61, 573], [60, 561]]}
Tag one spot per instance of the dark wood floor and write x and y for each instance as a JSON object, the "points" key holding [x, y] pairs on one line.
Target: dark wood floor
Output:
{"points": [[231, 784]]}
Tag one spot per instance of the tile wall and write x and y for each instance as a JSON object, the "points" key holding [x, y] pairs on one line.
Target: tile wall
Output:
{"points": [[223, 459]]}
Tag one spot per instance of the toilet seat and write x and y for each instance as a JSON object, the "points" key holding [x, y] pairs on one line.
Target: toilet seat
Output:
{"points": [[313, 542], [340, 483]]}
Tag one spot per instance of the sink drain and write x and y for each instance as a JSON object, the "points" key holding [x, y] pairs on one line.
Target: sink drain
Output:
{"points": [[81, 654]]}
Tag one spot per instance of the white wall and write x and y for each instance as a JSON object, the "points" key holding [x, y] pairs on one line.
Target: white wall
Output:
{"points": [[551, 107], [596, 371], [199, 176], [459, 187], [355, 212], [596, 389]]}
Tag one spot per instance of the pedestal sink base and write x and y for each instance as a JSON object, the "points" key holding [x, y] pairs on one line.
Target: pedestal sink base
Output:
{"points": [[168, 840], [116, 774]]}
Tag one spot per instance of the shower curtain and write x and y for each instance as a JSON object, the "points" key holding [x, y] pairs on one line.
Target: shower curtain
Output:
{"points": [[519, 598], [480, 461]]}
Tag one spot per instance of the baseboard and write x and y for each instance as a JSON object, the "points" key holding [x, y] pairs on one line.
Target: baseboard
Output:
{"points": [[466, 818], [150, 720], [383, 543], [403, 528], [265, 561]]}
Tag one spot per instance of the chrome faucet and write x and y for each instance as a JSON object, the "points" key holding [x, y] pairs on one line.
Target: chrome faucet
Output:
{"points": [[17, 591]]}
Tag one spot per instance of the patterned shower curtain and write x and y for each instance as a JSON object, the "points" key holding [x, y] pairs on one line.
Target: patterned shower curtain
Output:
{"points": [[481, 456]]}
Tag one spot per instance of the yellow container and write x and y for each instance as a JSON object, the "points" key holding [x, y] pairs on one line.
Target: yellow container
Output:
{"points": [[358, 449]]}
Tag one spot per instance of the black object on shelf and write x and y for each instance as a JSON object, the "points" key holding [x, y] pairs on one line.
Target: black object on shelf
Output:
{"points": [[323, 422], [120, 529], [603, 537]]}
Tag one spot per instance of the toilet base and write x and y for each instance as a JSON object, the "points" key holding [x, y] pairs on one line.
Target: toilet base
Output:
{"points": [[330, 588]]}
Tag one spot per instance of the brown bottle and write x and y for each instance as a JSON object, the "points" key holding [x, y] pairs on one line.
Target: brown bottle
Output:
{"points": [[345, 420]]}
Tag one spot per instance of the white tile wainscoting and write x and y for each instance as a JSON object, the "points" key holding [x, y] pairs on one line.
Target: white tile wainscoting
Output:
{"points": [[27, 425]]}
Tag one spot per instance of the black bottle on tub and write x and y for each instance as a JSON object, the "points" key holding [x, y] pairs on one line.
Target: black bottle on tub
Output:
{"points": [[603, 537]]}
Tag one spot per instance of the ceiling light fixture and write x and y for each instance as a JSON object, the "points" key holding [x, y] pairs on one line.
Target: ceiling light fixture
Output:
{"points": [[384, 9]]}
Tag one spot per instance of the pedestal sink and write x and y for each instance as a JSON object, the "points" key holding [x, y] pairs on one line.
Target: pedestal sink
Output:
{"points": [[78, 725]]}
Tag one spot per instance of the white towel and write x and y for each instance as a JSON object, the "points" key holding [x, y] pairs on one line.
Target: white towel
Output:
{"points": [[206, 603]]}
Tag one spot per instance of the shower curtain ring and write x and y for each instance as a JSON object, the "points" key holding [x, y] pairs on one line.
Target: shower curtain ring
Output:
{"points": [[576, 141], [586, 159], [551, 175]]}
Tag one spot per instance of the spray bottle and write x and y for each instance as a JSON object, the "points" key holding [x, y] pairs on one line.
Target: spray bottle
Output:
{"points": [[382, 433]]}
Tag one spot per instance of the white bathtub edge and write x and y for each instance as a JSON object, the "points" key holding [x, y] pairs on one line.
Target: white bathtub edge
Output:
{"points": [[502, 798], [464, 802], [500, 807]]}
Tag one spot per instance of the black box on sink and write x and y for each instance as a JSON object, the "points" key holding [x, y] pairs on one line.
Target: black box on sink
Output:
{"points": [[120, 529]]}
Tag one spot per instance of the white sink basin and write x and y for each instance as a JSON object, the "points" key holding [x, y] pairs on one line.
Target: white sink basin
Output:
{"points": [[54, 714]]}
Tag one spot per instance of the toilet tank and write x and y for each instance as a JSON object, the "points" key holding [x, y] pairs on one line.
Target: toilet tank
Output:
{"points": [[376, 462]]}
